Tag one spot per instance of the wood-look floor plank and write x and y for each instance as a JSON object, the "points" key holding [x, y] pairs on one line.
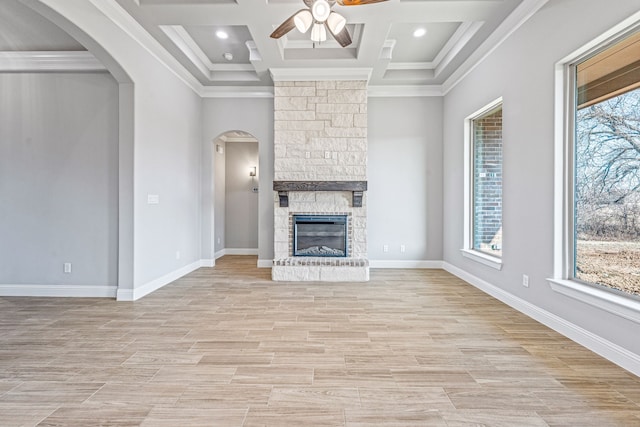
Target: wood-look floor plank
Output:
{"points": [[226, 346]]}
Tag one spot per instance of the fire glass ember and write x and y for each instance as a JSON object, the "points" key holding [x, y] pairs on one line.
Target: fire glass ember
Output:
{"points": [[320, 235]]}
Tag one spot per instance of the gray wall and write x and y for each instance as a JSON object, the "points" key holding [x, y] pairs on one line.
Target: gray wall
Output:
{"points": [[58, 179], [405, 178], [522, 71], [255, 116], [241, 204], [220, 184]]}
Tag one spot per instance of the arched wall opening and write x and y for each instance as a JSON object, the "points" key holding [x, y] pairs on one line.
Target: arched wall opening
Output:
{"points": [[70, 136], [255, 117]]}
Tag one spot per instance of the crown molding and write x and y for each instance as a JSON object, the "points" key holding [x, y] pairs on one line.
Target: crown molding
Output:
{"points": [[395, 91], [319, 74], [514, 21], [236, 92], [118, 15], [53, 61], [179, 36]]}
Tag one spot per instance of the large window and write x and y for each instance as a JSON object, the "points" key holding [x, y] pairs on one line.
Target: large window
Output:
{"points": [[606, 238], [484, 185], [597, 169]]}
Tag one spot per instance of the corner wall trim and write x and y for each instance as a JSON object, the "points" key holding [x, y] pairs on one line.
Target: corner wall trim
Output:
{"points": [[76, 291], [140, 291], [417, 264], [265, 263], [207, 263], [610, 351]]}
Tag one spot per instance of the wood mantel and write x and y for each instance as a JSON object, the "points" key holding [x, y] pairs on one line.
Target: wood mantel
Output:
{"points": [[356, 187]]}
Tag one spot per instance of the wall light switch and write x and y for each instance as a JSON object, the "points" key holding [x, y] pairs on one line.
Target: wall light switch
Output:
{"points": [[67, 267], [403, 248], [327, 154], [153, 199]]}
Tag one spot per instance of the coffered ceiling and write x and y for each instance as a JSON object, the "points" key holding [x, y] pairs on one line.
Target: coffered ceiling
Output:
{"points": [[384, 46]]}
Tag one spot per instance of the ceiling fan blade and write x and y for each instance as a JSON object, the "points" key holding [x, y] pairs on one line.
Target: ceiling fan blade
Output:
{"points": [[286, 26], [342, 37], [357, 2]]}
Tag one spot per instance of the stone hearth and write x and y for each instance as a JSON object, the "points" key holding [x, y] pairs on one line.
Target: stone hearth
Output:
{"points": [[320, 164]]}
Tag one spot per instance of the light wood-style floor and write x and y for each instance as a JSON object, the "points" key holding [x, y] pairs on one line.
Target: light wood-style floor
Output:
{"points": [[225, 346]]}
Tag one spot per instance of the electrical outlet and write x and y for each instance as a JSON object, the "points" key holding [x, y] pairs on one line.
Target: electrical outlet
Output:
{"points": [[219, 240], [327, 154], [403, 248], [67, 267], [177, 254], [385, 248], [525, 280], [307, 154]]}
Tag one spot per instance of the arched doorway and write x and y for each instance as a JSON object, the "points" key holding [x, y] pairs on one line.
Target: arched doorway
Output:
{"points": [[236, 172]]}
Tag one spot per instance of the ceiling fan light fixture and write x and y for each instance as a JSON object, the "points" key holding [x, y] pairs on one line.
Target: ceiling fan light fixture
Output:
{"points": [[320, 10], [303, 21], [318, 33], [336, 22]]}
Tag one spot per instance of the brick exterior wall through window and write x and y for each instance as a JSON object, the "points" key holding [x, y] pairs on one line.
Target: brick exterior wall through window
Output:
{"points": [[487, 183]]}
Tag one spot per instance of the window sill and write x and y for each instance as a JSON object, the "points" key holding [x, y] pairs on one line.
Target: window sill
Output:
{"points": [[599, 298], [485, 259]]}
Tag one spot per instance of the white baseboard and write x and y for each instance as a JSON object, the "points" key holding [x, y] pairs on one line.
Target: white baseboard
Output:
{"points": [[76, 291], [241, 251], [610, 351], [236, 251], [207, 263], [265, 263], [383, 263], [140, 291]]}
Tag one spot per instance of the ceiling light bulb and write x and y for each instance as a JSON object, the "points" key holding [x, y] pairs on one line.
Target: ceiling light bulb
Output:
{"points": [[320, 10], [303, 20], [318, 33], [336, 22], [419, 32], [228, 56], [222, 34]]}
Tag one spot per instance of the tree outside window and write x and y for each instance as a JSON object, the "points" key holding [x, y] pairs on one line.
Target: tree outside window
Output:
{"points": [[606, 244]]}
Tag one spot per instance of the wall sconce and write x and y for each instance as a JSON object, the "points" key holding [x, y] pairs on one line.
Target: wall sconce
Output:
{"points": [[252, 174]]}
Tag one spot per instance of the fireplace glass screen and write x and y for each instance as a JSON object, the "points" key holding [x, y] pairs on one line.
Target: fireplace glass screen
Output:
{"points": [[320, 235]]}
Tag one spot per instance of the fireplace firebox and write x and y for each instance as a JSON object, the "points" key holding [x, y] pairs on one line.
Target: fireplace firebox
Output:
{"points": [[320, 235]]}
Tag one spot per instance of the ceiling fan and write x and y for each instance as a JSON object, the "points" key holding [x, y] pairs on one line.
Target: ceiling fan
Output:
{"points": [[320, 18]]}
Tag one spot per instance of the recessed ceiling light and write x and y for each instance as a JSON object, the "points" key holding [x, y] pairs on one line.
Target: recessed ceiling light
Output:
{"points": [[228, 56], [419, 32], [222, 34]]}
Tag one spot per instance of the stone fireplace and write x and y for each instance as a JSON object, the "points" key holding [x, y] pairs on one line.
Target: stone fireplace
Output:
{"points": [[320, 172]]}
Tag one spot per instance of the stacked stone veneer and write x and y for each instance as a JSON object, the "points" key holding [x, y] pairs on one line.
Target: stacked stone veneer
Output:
{"points": [[320, 134]]}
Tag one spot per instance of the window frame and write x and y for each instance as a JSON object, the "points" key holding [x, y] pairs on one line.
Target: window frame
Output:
{"points": [[468, 250], [563, 280]]}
